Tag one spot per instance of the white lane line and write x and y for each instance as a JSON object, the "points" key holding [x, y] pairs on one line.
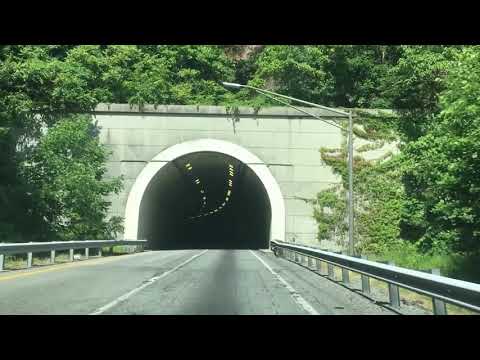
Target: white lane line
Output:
{"points": [[304, 304], [143, 286]]}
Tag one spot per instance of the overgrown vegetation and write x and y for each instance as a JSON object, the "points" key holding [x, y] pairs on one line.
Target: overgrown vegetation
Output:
{"points": [[415, 206]]}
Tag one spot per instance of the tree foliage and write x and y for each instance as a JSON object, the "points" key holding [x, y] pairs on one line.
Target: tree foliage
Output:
{"points": [[67, 169], [443, 167]]}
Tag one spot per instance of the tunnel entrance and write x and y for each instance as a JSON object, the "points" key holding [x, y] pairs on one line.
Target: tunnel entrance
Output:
{"points": [[205, 200]]}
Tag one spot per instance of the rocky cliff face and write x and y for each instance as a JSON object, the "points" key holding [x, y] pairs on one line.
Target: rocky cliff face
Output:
{"points": [[242, 52]]}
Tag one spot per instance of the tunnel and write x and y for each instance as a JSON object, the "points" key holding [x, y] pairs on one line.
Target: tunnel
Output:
{"points": [[205, 200]]}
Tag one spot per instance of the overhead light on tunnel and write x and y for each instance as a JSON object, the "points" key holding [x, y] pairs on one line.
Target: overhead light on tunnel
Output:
{"points": [[229, 192], [227, 198], [201, 191]]}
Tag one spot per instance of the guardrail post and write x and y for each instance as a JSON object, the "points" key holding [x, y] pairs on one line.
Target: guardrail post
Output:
{"points": [[52, 256], [310, 262], [331, 273], [439, 306], [100, 252], [2, 259], [345, 275], [365, 280], [319, 265], [86, 253], [71, 255], [29, 259], [393, 292]]}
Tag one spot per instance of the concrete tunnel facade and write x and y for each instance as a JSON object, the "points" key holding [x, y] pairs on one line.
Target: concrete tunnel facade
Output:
{"points": [[205, 193], [279, 145]]}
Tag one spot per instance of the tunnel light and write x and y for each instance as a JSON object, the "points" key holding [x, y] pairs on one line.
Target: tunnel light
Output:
{"points": [[223, 204], [202, 191], [226, 199], [204, 198], [229, 192]]}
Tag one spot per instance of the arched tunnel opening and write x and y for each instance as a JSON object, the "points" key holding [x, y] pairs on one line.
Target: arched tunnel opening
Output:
{"points": [[205, 200]]}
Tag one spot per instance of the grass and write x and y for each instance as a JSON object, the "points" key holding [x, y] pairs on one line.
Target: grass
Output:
{"points": [[457, 266]]}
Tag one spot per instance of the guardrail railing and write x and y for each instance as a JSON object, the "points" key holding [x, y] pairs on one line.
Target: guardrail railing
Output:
{"points": [[440, 289], [53, 246]]}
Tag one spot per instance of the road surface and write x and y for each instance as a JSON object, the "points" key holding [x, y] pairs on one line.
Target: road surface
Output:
{"points": [[186, 282]]}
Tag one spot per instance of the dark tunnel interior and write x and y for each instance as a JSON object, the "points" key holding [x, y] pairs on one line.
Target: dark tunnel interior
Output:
{"points": [[205, 200]]}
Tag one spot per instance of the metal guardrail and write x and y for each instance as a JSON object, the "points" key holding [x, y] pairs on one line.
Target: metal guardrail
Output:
{"points": [[441, 289], [53, 246]]}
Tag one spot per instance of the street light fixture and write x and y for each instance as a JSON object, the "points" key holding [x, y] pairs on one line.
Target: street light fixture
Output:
{"points": [[344, 114]]}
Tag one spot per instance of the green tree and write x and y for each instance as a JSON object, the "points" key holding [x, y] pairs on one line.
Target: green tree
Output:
{"points": [[67, 168], [412, 86], [442, 167]]}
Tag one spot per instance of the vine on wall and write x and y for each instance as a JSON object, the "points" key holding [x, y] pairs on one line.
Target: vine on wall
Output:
{"points": [[377, 189]]}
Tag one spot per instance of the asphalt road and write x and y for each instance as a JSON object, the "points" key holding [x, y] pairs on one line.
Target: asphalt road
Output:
{"points": [[182, 282]]}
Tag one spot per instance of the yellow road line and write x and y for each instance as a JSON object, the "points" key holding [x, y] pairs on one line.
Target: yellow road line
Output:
{"points": [[88, 262]]}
